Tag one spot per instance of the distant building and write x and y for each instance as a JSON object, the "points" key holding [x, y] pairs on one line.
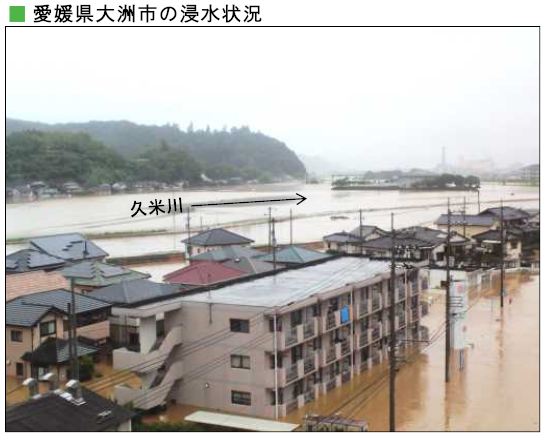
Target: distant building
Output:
{"points": [[490, 241], [342, 242], [214, 239], [510, 215], [467, 225]]}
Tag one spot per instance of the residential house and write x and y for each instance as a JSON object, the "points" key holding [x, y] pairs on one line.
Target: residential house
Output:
{"points": [[70, 247], [490, 243], [74, 409], [303, 330], [293, 255], [124, 331], [467, 225], [88, 276], [32, 319], [214, 239], [511, 215], [342, 242], [29, 259], [203, 273], [369, 232], [32, 282]]}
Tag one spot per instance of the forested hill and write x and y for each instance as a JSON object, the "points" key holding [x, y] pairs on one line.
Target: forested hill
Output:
{"points": [[229, 151]]}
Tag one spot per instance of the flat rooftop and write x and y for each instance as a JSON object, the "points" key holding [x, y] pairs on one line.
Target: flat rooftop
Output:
{"points": [[294, 285]]}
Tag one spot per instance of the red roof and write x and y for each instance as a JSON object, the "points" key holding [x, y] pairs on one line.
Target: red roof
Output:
{"points": [[203, 273]]}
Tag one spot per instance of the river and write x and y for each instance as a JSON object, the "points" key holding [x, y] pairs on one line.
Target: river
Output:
{"points": [[101, 215]]}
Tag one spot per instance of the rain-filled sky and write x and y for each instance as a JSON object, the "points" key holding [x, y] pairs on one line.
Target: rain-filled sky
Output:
{"points": [[369, 98]]}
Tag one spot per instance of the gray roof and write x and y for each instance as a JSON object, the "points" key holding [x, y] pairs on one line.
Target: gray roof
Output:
{"points": [[52, 412], [295, 284], [510, 213], [230, 252], [29, 259], [99, 274], [342, 238], [134, 291], [68, 246], [250, 266], [56, 350], [433, 236], [294, 255], [494, 235], [213, 237], [367, 230], [385, 242], [470, 220], [26, 311]]}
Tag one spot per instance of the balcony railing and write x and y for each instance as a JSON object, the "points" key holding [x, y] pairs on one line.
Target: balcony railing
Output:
{"points": [[376, 334], [345, 347], [401, 320], [291, 373], [364, 308], [331, 321], [376, 304], [401, 294], [309, 396], [292, 406], [331, 384], [414, 313], [415, 287], [309, 330], [364, 365], [364, 339], [309, 364], [292, 337], [331, 355]]}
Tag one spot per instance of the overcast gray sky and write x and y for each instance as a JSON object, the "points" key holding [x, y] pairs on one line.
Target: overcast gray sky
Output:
{"points": [[370, 98]]}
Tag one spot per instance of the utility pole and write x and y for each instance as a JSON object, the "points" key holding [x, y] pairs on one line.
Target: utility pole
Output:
{"points": [[71, 355], [392, 331], [270, 229], [479, 205], [188, 246], [274, 243], [448, 296], [464, 218], [361, 231], [290, 226], [76, 373], [502, 254]]}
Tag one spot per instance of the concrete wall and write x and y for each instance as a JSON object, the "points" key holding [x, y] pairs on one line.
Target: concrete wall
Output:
{"points": [[212, 389]]}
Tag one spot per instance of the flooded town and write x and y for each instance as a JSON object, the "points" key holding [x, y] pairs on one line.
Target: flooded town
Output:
{"points": [[304, 271]]}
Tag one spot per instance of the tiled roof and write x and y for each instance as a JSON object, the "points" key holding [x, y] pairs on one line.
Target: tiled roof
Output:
{"points": [[213, 237], [203, 273], [294, 255], [229, 252], [52, 412], [342, 238], [134, 291], [69, 246], [385, 242], [367, 231], [470, 220], [27, 311], [98, 274], [494, 235], [29, 259], [510, 213], [249, 266], [56, 350], [32, 282]]}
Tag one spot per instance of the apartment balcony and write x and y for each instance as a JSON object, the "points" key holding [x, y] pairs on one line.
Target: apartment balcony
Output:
{"points": [[377, 357], [311, 363], [364, 308], [364, 339], [330, 355], [414, 314], [401, 293], [376, 333], [330, 384], [290, 406], [309, 396], [376, 303], [415, 287], [401, 320], [158, 353], [298, 334], [346, 376], [344, 347]]}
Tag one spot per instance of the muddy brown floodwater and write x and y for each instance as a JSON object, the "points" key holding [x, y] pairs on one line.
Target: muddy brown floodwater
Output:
{"points": [[497, 390]]}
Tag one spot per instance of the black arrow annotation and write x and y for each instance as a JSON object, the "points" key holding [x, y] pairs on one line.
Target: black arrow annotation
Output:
{"points": [[301, 199]]}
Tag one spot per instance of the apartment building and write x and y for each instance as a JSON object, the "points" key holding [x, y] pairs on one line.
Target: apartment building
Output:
{"points": [[267, 346]]}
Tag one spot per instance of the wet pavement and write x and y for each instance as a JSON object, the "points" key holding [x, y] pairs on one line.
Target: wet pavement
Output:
{"points": [[497, 390]]}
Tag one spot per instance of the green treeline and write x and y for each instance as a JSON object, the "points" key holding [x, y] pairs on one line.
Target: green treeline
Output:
{"points": [[121, 151]]}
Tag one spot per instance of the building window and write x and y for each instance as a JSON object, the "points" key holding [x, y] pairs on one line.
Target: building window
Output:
{"points": [[19, 369], [48, 328], [16, 336], [239, 325], [278, 325], [296, 318], [240, 362], [241, 398]]}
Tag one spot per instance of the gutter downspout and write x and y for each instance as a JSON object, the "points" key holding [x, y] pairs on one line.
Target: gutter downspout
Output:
{"points": [[276, 367]]}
